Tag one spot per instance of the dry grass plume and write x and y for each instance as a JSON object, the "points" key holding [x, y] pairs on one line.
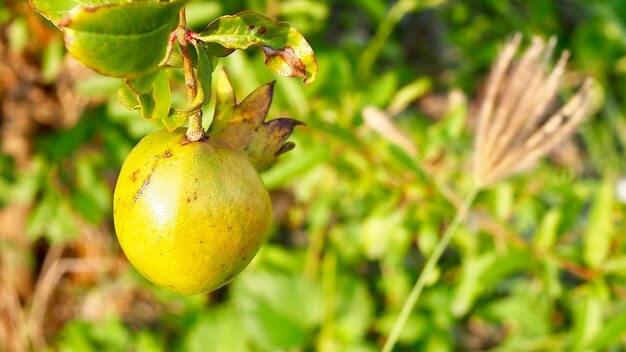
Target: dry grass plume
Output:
{"points": [[519, 120]]}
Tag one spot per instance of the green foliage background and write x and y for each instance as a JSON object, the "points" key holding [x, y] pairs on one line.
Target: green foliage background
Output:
{"points": [[539, 265]]}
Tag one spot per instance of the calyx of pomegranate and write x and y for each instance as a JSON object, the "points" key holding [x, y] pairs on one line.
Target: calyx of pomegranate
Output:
{"points": [[242, 126]]}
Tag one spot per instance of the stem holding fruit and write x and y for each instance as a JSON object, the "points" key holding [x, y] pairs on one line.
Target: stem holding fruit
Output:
{"points": [[195, 131]]}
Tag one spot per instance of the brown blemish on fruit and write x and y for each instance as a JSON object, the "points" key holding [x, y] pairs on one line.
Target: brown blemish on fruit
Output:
{"points": [[133, 177], [145, 184], [251, 27], [166, 154], [261, 30]]}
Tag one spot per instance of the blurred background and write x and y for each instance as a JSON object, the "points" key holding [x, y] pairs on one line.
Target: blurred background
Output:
{"points": [[538, 265]]}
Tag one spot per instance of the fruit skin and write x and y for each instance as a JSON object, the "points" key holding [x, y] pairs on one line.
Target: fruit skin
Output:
{"points": [[189, 216]]}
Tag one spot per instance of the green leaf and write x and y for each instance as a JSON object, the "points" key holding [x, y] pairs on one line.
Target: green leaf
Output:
{"points": [[286, 51], [121, 40], [599, 231], [219, 328], [284, 172], [52, 218], [17, 33], [175, 120], [407, 161], [56, 10], [470, 284], [611, 333], [147, 341], [171, 122], [546, 234], [503, 200], [280, 310], [615, 265], [549, 273], [151, 94], [52, 60], [409, 93], [91, 196], [205, 73], [143, 84], [155, 104], [587, 315], [128, 98]]}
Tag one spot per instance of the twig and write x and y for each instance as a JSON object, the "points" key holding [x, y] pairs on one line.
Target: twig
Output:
{"points": [[381, 122], [12, 332], [50, 275], [195, 132], [52, 271]]}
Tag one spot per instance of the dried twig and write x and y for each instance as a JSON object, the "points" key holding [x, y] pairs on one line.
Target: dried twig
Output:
{"points": [[12, 332], [54, 267]]}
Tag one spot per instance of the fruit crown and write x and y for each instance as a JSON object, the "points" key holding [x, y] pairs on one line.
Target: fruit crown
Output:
{"points": [[243, 127]]}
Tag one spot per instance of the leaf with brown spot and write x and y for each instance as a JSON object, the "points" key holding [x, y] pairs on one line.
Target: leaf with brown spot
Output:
{"points": [[243, 127], [286, 51]]}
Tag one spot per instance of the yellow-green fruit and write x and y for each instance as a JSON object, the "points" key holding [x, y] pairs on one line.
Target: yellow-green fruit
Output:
{"points": [[189, 216]]}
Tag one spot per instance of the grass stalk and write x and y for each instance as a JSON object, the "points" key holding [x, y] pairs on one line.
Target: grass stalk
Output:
{"points": [[428, 269]]}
